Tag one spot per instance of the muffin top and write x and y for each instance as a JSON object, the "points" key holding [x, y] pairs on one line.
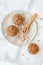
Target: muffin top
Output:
{"points": [[11, 30], [17, 19], [33, 48]]}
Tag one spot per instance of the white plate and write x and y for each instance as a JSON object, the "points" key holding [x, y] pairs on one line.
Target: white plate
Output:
{"points": [[8, 21]]}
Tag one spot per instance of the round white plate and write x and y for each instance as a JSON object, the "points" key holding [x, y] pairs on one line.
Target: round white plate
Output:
{"points": [[8, 21]]}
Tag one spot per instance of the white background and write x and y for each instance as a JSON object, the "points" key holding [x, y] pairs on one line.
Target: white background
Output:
{"points": [[10, 50]]}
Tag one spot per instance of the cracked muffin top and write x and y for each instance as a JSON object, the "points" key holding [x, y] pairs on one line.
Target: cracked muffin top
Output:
{"points": [[17, 19], [11, 30]]}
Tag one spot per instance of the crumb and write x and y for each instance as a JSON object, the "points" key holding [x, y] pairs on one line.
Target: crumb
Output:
{"points": [[38, 40], [27, 38], [41, 18], [22, 39], [22, 54], [27, 58]]}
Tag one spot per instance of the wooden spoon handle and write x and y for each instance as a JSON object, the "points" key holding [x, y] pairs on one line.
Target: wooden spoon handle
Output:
{"points": [[31, 20]]}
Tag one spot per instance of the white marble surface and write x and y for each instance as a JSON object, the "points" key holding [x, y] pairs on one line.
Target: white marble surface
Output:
{"points": [[7, 6]]}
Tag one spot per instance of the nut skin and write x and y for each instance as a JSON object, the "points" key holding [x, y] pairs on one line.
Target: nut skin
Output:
{"points": [[17, 19], [33, 48], [11, 30]]}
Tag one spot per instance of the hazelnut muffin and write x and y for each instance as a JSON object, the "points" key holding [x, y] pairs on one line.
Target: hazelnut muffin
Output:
{"points": [[11, 30], [17, 19], [33, 48]]}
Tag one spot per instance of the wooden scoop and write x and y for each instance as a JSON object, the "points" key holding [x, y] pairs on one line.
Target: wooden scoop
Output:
{"points": [[24, 29]]}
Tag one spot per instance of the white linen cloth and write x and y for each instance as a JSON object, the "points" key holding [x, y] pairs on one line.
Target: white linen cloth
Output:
{"points": [[5, 63], [8, 51]]}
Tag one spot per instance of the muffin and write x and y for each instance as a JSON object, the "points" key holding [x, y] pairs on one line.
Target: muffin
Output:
{"points": [[11, 30], [33, 48], [17, 19]]}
